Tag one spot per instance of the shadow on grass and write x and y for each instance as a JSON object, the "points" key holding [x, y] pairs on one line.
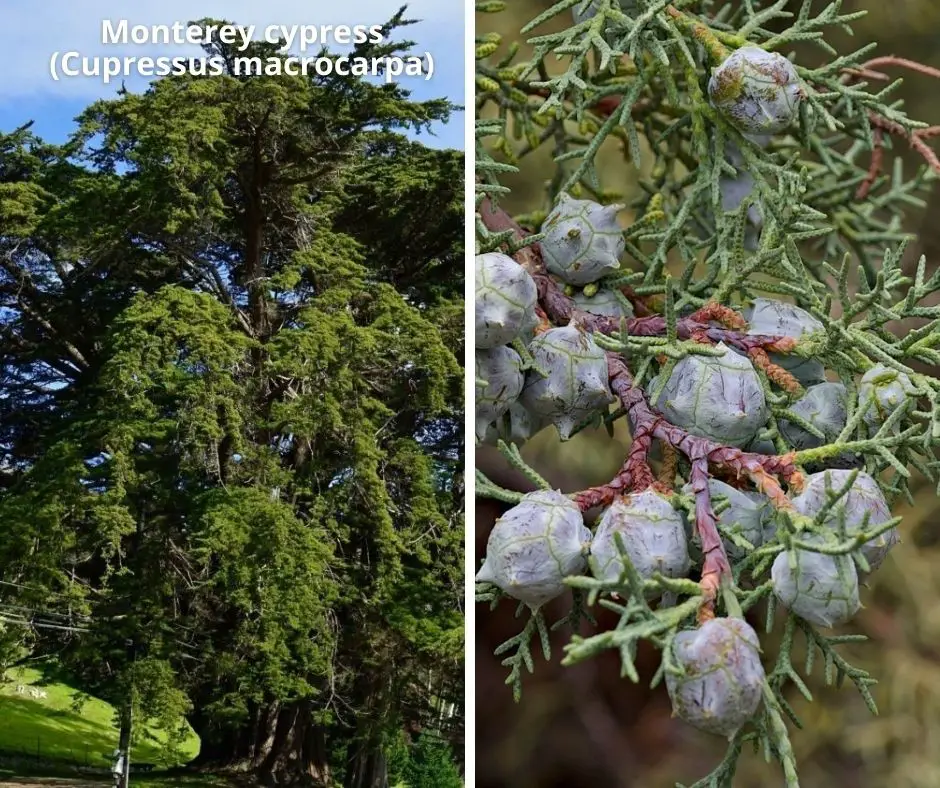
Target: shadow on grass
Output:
{"points": [[82, 727], [34, 731]]}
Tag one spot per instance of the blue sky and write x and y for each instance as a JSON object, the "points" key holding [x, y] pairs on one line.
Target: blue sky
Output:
{"points": [[31, 31]]}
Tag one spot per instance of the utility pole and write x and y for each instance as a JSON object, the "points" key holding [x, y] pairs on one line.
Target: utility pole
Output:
{"points": [[122, 769], [123, 778], [124, 745]]}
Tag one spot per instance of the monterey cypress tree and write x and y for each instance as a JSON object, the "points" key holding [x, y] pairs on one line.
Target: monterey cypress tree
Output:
{"points": [[231, 423]]}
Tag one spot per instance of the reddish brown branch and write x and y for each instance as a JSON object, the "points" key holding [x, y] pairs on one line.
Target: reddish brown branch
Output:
{"points": [[715, 564], [916, 139], [719, 313], [761, 470], [863, 73], [870, 66], [756, 467], [562, 310], [874, 168], [670, 466], [775, 372], [634, 475]]}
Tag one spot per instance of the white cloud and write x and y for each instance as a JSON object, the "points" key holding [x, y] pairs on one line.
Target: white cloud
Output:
{"points": [[31, 31]]}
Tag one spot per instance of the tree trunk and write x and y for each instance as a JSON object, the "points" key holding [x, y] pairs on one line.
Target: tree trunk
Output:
{"points": [[255, 221], [366, 764], [264, 735], [280, 745], [368, 768], [296, 752], [220, 748]]}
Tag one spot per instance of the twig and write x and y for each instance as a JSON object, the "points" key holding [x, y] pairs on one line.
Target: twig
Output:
{"points": [[669, 467], [874, 168], [916, 139], [786, 380], [870, 66], [635, 475]]}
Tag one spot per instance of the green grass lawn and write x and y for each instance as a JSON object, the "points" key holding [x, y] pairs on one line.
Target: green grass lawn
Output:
{"points": [[8, 778], [51, 728]]}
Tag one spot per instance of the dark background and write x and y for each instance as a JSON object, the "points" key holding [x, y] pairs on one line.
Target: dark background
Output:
{"points": [[584, 725]]}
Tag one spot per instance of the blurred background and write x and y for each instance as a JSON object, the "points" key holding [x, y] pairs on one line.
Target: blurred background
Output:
{"points": [[584, 725]]}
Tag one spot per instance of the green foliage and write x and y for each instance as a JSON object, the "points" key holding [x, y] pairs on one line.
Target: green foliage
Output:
{"points": [[431, 765], [427, 763], [420, 258], [814, 222]]}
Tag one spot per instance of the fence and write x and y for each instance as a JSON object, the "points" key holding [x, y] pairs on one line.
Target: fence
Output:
{"points": [[86, 763]]}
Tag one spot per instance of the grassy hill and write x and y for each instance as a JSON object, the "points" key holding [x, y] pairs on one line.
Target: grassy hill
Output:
{"points": [[51, 729]]}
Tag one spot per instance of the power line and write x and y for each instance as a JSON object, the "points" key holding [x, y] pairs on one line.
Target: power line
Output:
{"points": [[33, 588], [43, 612], [25, 623]]}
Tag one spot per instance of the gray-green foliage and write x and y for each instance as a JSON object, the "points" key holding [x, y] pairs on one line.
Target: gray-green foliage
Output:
{"points": [[798, 234]]}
